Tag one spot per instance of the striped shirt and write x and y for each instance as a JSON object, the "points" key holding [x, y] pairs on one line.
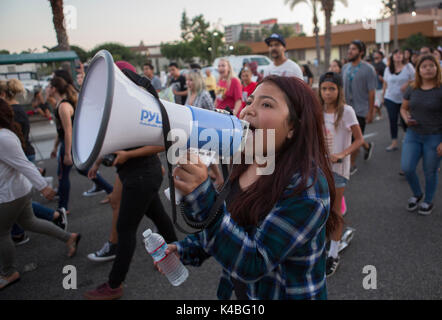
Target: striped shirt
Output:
{"points": [[282, 258]]}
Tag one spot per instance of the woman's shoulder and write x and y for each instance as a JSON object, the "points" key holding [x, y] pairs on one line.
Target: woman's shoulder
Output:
{"points": [[349, 110], [235, 80], [316, 186], [6, 132], [65, 105], [7, 136]]}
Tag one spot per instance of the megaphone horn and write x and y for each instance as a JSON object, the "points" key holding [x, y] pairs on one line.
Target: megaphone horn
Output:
{"points": [[115, 114]]}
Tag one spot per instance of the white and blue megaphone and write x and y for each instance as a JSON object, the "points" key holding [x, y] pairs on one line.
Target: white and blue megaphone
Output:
{"points": [[115, 114]]}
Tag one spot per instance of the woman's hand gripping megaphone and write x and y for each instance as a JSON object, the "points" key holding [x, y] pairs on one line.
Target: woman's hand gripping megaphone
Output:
{"points": [[190, 173]]}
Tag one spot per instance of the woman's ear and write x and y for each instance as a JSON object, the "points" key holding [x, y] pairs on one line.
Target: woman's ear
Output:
{"points": [[290, 133]]}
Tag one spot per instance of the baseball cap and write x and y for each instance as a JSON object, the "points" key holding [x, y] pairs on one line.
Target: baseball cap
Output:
{"points": [[276, 37], [331, 77]]}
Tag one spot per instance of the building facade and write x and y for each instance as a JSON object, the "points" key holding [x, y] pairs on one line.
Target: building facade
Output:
{"points": [[232, 33], [303, 49]]}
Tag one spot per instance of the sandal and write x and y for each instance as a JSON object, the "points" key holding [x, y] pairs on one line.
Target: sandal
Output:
{"points": [[5, 283], [74, 246]]}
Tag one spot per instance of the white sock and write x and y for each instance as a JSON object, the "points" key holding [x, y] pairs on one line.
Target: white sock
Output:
{"points": [[334, 247]]}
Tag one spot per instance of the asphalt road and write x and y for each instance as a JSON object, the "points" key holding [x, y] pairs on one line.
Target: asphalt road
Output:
{"points": [[403, 247]]}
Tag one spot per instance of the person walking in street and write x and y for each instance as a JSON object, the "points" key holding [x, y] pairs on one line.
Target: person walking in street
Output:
{"points": [[397, 78], [66, 98], [422, 111], [281, 65], [148, 71], [269, 235], [178, 83], [341, 125], [140, 172], [197, 94], [360, 88], [210, 82], [228, 88], [100, 185], [248, 86], [17, 176], [379, 66]]}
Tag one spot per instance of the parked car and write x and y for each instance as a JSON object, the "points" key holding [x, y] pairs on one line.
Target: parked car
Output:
{"points": [[238, 61]]}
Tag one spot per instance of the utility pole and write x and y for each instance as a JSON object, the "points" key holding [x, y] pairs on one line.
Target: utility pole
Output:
{"points": [[396, 9]]}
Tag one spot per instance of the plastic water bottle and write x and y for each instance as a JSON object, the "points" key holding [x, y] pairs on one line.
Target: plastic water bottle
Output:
{"points": [[170, 264]]}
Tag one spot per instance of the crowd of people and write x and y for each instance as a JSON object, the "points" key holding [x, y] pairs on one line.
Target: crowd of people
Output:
{"points": [[270, 242]]}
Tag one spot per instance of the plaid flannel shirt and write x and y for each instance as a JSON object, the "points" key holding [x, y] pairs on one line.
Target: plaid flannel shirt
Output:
{"points": [[283, 258]]}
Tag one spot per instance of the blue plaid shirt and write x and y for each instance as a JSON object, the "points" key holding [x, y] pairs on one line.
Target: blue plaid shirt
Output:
{"points": [[283, 258]]}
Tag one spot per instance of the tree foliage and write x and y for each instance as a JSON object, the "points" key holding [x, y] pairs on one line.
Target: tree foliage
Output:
{"points": [[196, 41], [81, 53], [416, 41], [404, 6]]}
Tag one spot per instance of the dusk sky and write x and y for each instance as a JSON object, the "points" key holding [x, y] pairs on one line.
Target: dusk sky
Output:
{"points": [[27, 24]]}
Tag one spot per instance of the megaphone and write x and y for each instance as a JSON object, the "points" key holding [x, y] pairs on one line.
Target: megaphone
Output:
{"points": [[115, 114]]}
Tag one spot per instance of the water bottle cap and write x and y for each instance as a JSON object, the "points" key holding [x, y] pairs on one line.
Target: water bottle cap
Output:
{"points": [[147, 233]]}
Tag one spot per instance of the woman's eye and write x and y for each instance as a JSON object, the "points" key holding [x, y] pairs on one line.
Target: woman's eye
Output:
{"points": [[266, 105], [249, 102]]}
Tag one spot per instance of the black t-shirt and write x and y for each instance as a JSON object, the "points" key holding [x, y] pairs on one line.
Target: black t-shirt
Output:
{"points": [[426, 108], [21, 117], [180, 85]]}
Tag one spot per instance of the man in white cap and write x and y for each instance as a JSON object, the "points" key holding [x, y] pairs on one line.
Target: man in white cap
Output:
{"points": [[281, 66]]}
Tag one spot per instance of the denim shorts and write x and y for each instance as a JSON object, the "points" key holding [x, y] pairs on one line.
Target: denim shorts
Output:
{"points": [[340, 181]]}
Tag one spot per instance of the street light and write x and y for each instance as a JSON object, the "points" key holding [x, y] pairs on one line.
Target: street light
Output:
{"points": [[213, 51], [413, 13]]}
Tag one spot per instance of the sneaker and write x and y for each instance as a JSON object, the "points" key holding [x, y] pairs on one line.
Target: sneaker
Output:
{"points": [[425, 208], [412, 203], [19, 240], [107, 253], [331, 266], [62, 220], [353, 170], [93, 191], [390, 148], [104, 292], [369, 152]]}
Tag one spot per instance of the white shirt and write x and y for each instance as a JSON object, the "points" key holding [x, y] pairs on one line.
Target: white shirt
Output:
{"points": [[339, 139], [396, 81], [16, 171], [288, 69]]}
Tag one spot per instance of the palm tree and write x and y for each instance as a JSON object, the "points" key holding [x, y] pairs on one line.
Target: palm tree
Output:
{"points": [[328, 7], [314, 6], [58, 20]]}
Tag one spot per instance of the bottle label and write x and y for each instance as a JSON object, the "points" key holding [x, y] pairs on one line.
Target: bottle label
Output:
{"points": [[159, 253]]}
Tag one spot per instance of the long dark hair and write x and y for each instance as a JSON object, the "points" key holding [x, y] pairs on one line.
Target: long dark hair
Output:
{"points": [[304, 153], [63, 87], [307, 70], [7, 121], [391, 65]]}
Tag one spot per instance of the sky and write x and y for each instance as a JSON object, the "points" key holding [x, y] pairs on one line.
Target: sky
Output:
{"points": [[27, 24]]}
